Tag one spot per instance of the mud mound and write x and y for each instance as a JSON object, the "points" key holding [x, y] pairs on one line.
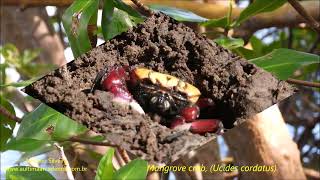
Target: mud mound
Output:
{"points": [[239, 88]]}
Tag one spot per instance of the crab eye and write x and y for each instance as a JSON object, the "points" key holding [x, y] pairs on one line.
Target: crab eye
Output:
{"points": [[166, 104], [154, 100], [159, 103]]}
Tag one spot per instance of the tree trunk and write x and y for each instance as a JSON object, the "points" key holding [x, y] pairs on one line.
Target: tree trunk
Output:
{"points": [[27, 29], [265, 140]]}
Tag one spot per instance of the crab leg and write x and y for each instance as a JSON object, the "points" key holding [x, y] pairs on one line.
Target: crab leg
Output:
{"points": [[190, 113], [115, 82], [200, 126], [205, 103]]}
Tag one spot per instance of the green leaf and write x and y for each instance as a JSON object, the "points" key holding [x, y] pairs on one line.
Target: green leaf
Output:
{"points": [[25, 144], [257, 45], [124, 7], [284, 62], [107, 12], [136, 169], [6, 125], [44, 123], [27, 173], [245, 53], [229, 43], [118, 20], [259, 6], [39, 150], [120, 23], [75, 22], [229, 15], [29, 55], [6, 133], [21, 83], [105, 169], [10, 53], [221, 22], [179, 14]]}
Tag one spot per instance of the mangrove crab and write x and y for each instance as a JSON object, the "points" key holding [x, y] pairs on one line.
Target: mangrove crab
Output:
{"points": [[165, 95]]}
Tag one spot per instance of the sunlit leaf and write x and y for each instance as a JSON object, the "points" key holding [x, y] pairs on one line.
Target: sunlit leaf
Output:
{"points": [[117, 17], [179, 14], [284, 62], [37, 151], [229, 43], [128, 9], [107, 12], [21, 83], [27, 173], [221, 22], [6, 125], [25, 144], [10, 53], [29, 55], [105, 169], [245, 53], [44, 123], [136, 169], [75, 22], [259, 6], [257, 45], [120, 23]]}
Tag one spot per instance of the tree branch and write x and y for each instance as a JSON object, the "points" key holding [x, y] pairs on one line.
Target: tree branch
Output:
{"points": [[123, 153], [144, 8], [311, 174], [310, 20], [96, 143], [303, 83], [6, 113], [285, 16]]}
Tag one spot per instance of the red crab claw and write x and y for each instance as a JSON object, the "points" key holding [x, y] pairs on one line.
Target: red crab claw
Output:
{"points": [[190, 113], [200, 126], [115, 82], [205, 103]]}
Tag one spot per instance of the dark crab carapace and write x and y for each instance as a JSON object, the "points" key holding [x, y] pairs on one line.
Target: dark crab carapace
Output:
{"points": [[163, 94]]}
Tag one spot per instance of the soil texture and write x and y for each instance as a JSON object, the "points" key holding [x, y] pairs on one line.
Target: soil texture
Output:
{"points": [[239, 88]]}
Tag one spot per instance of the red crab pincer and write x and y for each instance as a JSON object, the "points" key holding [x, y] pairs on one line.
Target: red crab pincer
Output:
{"points": [[159, 93]]}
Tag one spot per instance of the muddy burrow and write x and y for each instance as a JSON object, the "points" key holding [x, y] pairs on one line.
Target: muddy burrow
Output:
{"points": [[238, 88]]}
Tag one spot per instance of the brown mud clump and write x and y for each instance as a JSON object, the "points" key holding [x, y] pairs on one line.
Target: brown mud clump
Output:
{"points": [[238, 88]]}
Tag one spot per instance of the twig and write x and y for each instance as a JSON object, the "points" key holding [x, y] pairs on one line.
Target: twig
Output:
{"points": [[315, 44], [311, 174], [119, 158], [144, 8], [310, 20], [6, 113], [65, 163], [123, 153], [96, 143], [303, 83]]}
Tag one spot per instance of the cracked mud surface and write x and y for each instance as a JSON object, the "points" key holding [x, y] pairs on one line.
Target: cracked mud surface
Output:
{"points": [[238, 88]]}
